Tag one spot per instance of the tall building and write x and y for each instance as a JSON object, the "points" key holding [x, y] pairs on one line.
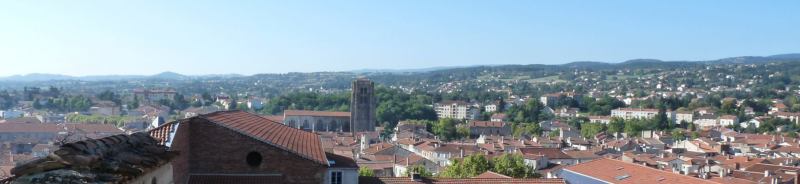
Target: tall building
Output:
{"points": [[456, 110], [362, 106]]}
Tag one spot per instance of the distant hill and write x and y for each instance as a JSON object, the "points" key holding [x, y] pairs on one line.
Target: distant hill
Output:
{"points": [[397, 71], [756, 59], [36, 77], [163, 76], [169, 75], [440, 71]]}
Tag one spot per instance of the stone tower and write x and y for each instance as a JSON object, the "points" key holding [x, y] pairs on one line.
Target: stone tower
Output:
{"points": [[362, 106]]}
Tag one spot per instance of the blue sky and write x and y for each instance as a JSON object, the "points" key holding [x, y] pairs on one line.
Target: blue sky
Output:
{"points": [[248, 37]]}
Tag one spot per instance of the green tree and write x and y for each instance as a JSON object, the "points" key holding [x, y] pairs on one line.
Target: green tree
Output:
{"points": [[616, 125], [691, 126], [678, 134], [37, 104], [554, 134], [463, 131], [446, 129], [531, 129], [633, 127], [468, 167], [589, 130], [233, 104], [418, 169], [512, 165], [728, 107], [364, 171]]}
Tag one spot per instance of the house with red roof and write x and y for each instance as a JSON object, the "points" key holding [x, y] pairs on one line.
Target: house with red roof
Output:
{"points": [[240, 147], [606, 170], [477, 128]]}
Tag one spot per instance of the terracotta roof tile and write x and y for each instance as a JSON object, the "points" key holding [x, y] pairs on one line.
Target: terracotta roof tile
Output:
{"points": [[406, 180], [305, 144], [94, 128], [486, 124], [30, 127], [490, 174], [610, 170], [550, 153], [315, 113]]}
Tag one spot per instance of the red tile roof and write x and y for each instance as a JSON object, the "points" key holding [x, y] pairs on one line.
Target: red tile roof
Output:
{"points": [[550, 153], [30, 127], [407, 180], [94, 128], [305, 144], [609, 170], [275, 118], [490, 174], [162, 132], [637, 109], [486, 124], [315, 113]]}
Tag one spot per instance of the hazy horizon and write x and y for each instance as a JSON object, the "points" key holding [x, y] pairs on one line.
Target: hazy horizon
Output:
{"points": [[362, 69], [89, 38]]}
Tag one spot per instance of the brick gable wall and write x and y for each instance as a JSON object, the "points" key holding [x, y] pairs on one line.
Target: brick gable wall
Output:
{"points": [[214, 149]]}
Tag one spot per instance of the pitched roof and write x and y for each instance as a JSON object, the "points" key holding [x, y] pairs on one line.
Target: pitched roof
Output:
{"points": [[275, 118], [550, 153], [490, 174], [637, 109], [499, 116], [305, 144], [30, 127], [315, 113], [340, 161], [407, 180], [616, 171], [97, 160], [93, 128], [486, 124]]}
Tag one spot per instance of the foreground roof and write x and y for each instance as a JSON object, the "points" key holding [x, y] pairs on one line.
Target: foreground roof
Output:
{"points": [[113, 159], [616, 171], [407, 180], [305, 144]]}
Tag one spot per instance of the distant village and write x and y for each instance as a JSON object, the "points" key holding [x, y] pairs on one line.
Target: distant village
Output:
{"points": [[667, 132]]}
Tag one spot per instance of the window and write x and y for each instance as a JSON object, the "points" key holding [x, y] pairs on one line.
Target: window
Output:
{"points": [[254, 159], [336, 177]]}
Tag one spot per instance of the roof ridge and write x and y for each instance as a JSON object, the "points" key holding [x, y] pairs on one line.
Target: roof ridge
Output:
{"points": [[263, 140]]}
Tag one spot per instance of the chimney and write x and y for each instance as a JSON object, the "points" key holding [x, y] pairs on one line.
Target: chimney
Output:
{"points": [[736, 166], [407, 162], [767, 173], [394, 158], [461, 152], [776, 179]]}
